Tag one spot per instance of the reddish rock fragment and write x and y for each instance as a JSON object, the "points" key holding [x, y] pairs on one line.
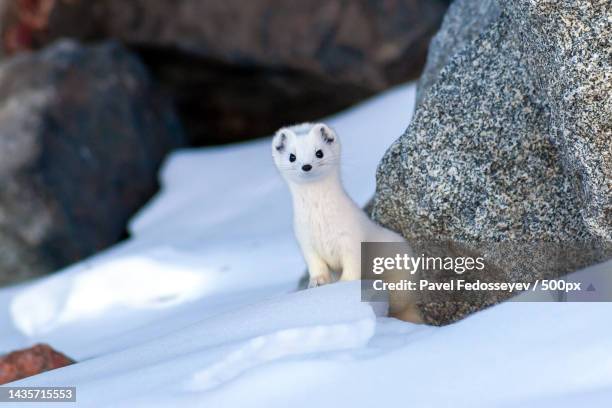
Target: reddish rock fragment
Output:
{"points": [[28, 362]]}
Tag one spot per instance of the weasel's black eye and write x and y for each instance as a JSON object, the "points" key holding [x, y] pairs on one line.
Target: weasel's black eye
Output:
{"points": [[319, 154], [292, 157]]}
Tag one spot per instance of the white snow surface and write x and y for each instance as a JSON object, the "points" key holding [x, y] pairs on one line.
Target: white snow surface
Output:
{"points": [[199, 307]]}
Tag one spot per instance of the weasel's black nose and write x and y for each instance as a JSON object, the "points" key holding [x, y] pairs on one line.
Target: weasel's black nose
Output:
{"points": [[307, 167]]}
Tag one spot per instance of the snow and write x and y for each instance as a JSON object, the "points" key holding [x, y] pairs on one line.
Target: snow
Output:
{"points": [[199, 308]]}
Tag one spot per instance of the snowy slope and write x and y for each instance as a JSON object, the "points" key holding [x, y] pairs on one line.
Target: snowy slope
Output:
{"points": [[199, 307]]}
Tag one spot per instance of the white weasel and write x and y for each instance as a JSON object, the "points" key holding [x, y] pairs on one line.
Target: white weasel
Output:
{"points": [[329, 226]]}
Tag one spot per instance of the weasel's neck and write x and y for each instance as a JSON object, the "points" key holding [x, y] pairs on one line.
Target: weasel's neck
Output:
{"points": [[328, 189]]}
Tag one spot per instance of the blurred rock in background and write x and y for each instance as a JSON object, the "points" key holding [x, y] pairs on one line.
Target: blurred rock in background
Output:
{"points": [[240, 69], [83, 128], [83, 131], [510, 149]]}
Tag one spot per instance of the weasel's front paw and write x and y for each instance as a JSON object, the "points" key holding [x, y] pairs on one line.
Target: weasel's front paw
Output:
{"points": [[318, 281]]}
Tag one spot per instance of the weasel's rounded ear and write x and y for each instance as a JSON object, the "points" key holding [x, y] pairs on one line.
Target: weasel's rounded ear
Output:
{"points": [[325, 132], [279, 141]]}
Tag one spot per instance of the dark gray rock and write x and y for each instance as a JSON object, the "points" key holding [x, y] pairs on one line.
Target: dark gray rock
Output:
{"points": [[241, 69], [82, 133], [509, 151]]}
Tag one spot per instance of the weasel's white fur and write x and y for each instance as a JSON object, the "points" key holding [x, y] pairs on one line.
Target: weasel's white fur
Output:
{"points": [[329, 226]]}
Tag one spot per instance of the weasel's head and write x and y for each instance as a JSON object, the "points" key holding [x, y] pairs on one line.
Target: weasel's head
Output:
{"points": [[306, 152]]}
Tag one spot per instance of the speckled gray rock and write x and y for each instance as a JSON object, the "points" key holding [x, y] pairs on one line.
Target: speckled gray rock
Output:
{"points": [[462, 24], [82, 133], [510, 147]]}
